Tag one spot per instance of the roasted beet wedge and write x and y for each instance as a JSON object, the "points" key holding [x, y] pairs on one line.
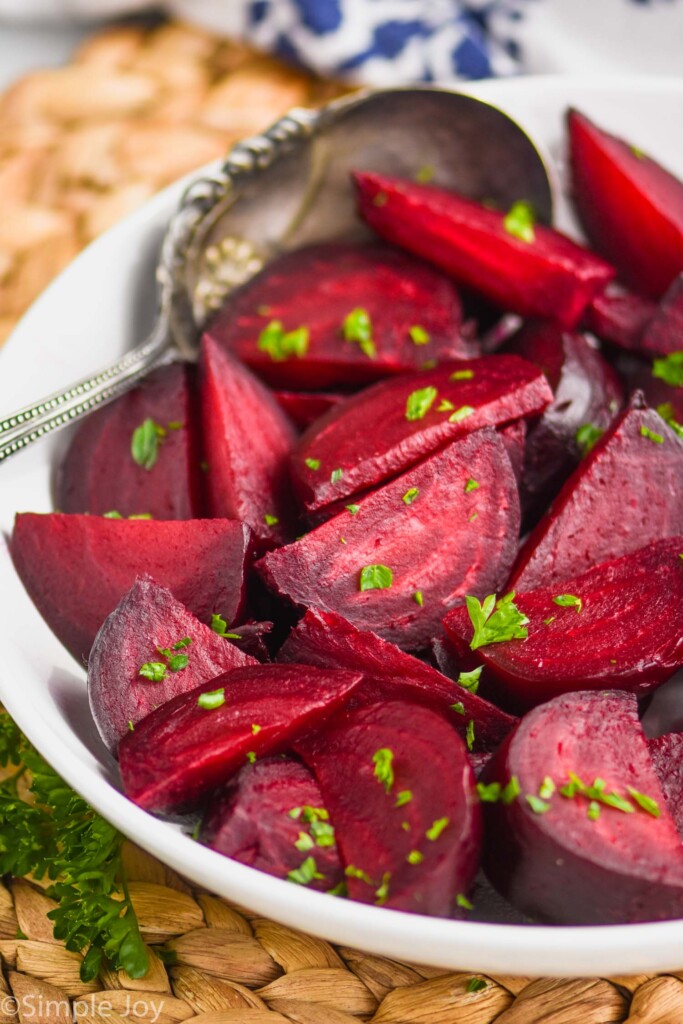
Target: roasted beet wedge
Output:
{"points": [[631, 207], [271, 817], [381, 431], [534, 272], [138, 455], [128, 673], [76, 569], [366, 312], [586, 390], [395, 561], [329, 641], [620, 317], [667, 757], [620, 624], [197, 741], [247, 441], [664, 333], [305, 407], [626, 492], [587, 838], [408, 838]]}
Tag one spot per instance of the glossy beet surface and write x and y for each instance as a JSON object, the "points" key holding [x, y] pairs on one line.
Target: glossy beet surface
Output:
{"points": [[380, 432], [620, 624], [247, 441], [182, 751], [329, 641], [76, 569], [99, 472], [407, 552], [149, 618], [630, 206], [544, 274], [620, 317], [667, 757], [316, 289], [271, 816], [626, 492], [408, 838], [574, 859]]}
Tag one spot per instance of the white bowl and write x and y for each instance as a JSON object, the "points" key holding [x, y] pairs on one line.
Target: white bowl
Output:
{"points": [[101, 305]]}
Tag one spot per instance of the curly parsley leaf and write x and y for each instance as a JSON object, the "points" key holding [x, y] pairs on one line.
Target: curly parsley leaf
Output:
{"points": [[494, 621]]}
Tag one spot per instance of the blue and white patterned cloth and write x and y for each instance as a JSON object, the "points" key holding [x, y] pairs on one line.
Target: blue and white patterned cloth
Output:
{"points": [[385, 42]]}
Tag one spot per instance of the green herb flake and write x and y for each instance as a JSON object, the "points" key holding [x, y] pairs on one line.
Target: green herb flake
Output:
{"points": [[183, 642], [313, 464], [131, 727], [383, 762], [519, 222], [336, 475], [445, 406], [511, 791], [646, 803], [470, 680], [551, 618], [353, 872], [270, 520], [306, 873], [375, 577], [420, 402], [669, 369], [357, 328], [459, 708], [256, 729], [666, 411], [651, 435], [353, 510], [418, 335], [415, 857], [177, 662], [460, 414], [112, 515], [219, 625], [211, 699], [489, 793], [251, 756], [410, 495], [382, 892], [494, 621], [281, 345], [547, 788], [568, 601], [141, 515], [436, 828], [537, 805], [418, 598], [469, 734], [403, 798], [593, 812], [405, 825], [425, 174], [155, 671], [471, 485], [462, 375], [323, 833], [341, 890], [587, 437], [144, 445], [476, 985], [463, 902], [304, 842]]}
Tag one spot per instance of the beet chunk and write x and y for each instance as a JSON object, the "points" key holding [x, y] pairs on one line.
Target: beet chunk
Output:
{"points": [[542, 273], [620, 317], [149, 618], [271, 817], [626, 492], [577, 858], [76, 569], [370, 766], [304, 407], [381, 431], [405, 553], [104, 470], [631, 207], [316, 289], [247, 440], [664, 333], [667, 757], [619, 624], [195, 742], [329, 641]]}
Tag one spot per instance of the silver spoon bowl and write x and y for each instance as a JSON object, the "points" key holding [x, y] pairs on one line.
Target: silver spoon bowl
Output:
{"points": [[291, 187]]}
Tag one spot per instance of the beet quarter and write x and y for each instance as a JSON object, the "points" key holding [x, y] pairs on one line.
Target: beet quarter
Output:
{"points": [[150, 649], [409, 839], [188, 747], [398, 559], [587, 838]]}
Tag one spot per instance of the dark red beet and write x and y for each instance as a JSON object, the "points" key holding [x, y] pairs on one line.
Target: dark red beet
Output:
{"points": [[267, 809], [76, 569], [182, 751], [638, 375], [99, 473], [429, 548], [329, 641], [372, 760], [624, 631], [664, 333], [626, 492], [304, 407], [667, 757], [247, 440], [369, 438], [317, 288], [631, 207], [513, 437], [548, 275], [564, 864], [619, 317], [586, 390], [249, 637], [148, 618]]}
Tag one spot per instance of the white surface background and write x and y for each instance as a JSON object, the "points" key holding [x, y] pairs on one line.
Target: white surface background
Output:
{"points": [[24, 48]]}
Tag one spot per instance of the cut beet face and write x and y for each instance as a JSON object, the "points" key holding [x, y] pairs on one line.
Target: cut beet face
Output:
{"points": [[305, 407], [247, 441], [335, 315], [398, 559], [272, 817], [664, 333], [194, 743], [149, 650], [620, 317], [587, 838], [381, 431], [627, 492], [409, 839], [523, 268], [631, 207], [667, 757], [76, 569], [138, 455], [330, 641], [619, 625]]}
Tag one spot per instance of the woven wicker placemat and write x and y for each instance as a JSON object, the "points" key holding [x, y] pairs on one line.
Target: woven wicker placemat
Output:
{"points": [[80, 147]]}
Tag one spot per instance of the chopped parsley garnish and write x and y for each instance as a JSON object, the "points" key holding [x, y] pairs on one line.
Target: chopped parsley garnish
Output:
{"points": [[220, 626], [418, 598], [144, 445], [460, 414], [375, 577], [471, 485], [410, 495], [489, 793], [519, 222], [459, 708], [256, 729], [568, 601], [445, 406], [340, 890], [646, 803], [403, 798], [494, 621], [323, 833], [669, 369], [469, 734], [309, 814], [281, 345], [155, 671], [551, 618], [336, 475], [476, 985], [304, 842], [418, 335], [211, 699], [313, 464], [251, 757], [511, 791], [270, 520], [353, 509], [353, 872], [596, 792], [668, 414], [382, 892], [537, 805], [470, 680], [424, 174], [415, 857], [383, 762], [587, 437], [112, 515], [177, 662], [651, 435], [141, 515], [547, 788], [462, 375], [420, 402], [130, 725], [358, 328], [593, 812], [306, 873], [184, 642], [436, 828], [463, 902]]}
